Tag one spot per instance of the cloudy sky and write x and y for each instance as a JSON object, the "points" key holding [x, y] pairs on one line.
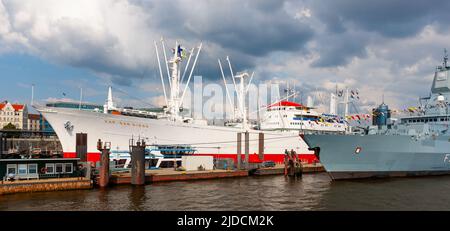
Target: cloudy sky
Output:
{"points": [[388, 47]]}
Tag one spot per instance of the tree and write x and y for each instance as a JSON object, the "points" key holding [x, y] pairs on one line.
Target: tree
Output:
{"points": [[9, 126]]}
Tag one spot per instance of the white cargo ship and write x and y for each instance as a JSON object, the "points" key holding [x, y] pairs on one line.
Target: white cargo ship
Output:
{"points": [[81, 129]]}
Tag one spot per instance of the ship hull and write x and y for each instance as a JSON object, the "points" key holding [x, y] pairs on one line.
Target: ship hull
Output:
{"points": [[381, 155], [220, 142]]}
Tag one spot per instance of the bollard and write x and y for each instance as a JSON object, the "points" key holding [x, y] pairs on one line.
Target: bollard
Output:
{"points": [[104, 163], [239, 150], [138, 163]]}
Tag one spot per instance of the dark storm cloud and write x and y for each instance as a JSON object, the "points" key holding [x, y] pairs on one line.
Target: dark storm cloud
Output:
{"points": [[243, 30], [391, 18], [351, 25], [250, 27], [339, 49]]}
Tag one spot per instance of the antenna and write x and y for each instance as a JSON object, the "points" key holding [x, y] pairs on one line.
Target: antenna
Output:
{"points": [[161, 74], [32, 95], [165, 58], [249, 82], [445, 58], [190, 74], [81, 97], [235, 86], [187, 65], [226, 87]]}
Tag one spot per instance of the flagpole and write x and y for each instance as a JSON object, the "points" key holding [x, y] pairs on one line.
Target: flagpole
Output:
{"points": [[32, 94], [81, 97]]}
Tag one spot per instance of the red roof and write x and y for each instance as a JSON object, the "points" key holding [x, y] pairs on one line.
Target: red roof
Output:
{"points": [[17, 107], [286, 104]]}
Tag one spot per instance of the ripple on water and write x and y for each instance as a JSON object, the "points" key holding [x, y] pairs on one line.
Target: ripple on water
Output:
{"points": [[311, 192]]}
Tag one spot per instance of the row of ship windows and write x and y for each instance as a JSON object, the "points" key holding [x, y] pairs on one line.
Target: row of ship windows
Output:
{"points": [[426, 120], [127, 124], [23, 169]]}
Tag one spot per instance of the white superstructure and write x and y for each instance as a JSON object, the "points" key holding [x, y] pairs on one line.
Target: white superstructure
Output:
{"points": [[286, 115]]}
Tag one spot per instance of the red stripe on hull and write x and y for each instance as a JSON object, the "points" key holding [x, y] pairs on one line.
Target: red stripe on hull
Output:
{"points": [[92, 156], [254, 158]]}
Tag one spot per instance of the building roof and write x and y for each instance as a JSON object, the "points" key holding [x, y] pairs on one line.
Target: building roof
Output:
{"points": [[286, 104], [17, 107]]}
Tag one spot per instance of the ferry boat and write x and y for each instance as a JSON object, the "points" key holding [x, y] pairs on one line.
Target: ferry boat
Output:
{"points": [[155, 157]]}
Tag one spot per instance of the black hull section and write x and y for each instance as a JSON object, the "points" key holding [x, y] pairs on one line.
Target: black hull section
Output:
{"points": [[365, 175]]}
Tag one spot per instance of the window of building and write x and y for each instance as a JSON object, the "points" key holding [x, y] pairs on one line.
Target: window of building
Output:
{"points": [[11, 169], [50, 168], [32, 168], [22, 169], [68, 168], [59, 168]]}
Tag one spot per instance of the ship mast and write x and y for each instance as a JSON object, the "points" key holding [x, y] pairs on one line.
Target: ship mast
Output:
{"points": [[174, 101], [346, 102], [445, 59], [176, 96], [242, 92], [241, 89]]}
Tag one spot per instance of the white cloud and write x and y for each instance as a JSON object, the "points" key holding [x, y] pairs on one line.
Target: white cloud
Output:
{"points": [[114, 38]]}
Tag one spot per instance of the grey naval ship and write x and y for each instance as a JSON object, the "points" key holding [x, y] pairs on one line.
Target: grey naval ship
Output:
{"points": [[414, 145]]}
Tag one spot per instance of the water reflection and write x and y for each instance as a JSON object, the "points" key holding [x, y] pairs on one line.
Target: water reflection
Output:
{"points": [[311, 192], [137, 197], [103, 199]]}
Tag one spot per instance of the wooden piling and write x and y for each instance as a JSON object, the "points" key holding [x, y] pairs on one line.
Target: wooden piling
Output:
{"points": [[239, 150], [261, 146], [138, 163], [104, 163], [247, 149]]}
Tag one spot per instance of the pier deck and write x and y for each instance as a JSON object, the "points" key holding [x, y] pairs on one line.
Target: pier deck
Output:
{"points": [[279, 170], [162, 175], [41, 185]]}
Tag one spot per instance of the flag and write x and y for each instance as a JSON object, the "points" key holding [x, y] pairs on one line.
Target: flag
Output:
{"points": [[354, 94], [412, 109], [179, 51], [183, 53]]}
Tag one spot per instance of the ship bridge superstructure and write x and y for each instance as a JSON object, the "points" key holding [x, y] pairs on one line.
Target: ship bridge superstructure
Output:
{"points": [[433, 115]]}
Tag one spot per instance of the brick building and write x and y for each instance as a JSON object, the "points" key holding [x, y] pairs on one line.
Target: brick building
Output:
{"points": [[15, 114]]}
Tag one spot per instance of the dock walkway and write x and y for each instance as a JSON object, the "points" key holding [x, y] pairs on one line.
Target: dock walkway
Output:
{"points": [[162, 175], [279, 170], [42, 185]]}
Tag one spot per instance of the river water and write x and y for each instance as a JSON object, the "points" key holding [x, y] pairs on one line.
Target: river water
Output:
{"points": [[312, 192]]}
